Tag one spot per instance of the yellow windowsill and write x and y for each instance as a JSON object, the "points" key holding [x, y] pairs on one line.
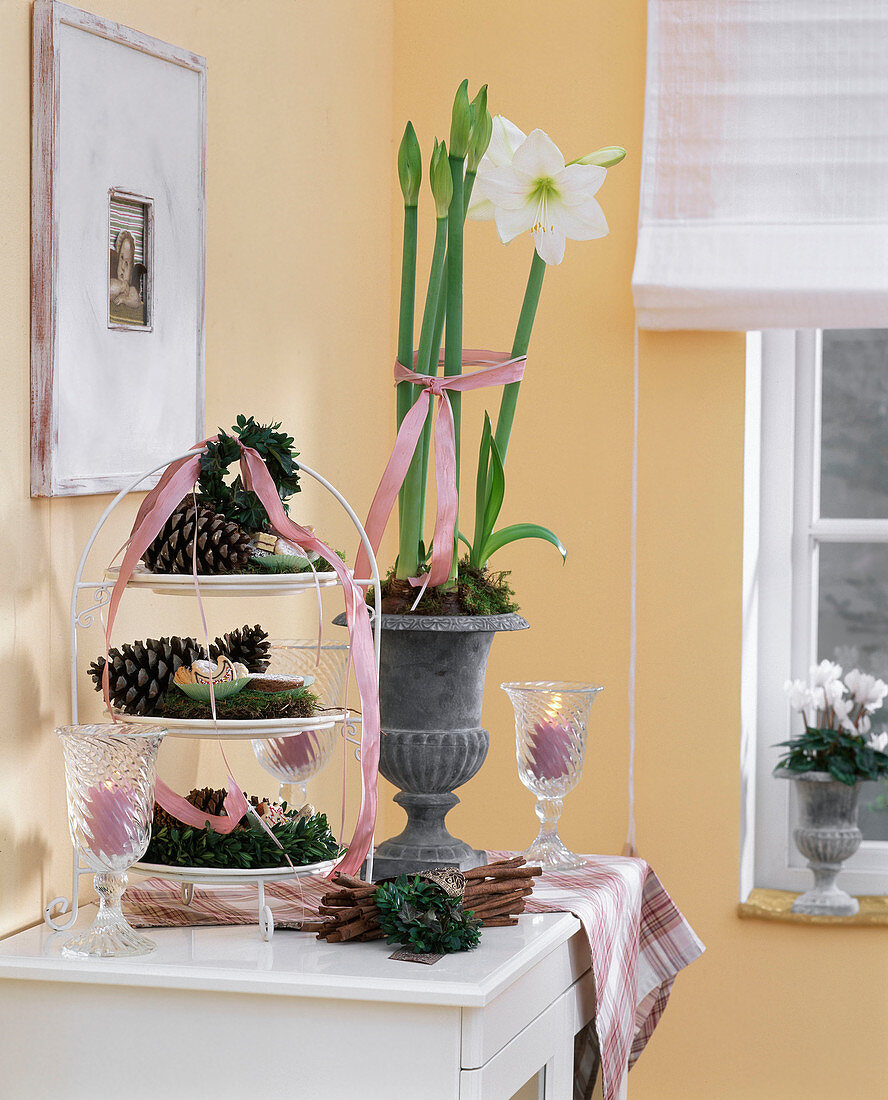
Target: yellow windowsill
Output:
{"points": [[777, 905]]}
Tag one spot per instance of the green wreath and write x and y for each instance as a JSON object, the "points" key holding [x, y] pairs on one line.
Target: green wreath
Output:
{"points": [[232, 500], [421, 917]]}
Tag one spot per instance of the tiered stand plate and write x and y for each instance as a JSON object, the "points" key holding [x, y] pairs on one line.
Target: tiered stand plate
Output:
{"points": [[227, 729], [245, 584], [252, 584]]}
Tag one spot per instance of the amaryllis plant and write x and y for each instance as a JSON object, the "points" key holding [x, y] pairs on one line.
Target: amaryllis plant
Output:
{"points": [[837, 716], [491, 170]]}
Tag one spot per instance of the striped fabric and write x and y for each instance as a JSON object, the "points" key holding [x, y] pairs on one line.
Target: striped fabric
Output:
{"points": [[637, 937]]}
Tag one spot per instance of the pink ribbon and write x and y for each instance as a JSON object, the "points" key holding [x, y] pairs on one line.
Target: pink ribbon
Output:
{"points": [[159, 504], [503, 371]]}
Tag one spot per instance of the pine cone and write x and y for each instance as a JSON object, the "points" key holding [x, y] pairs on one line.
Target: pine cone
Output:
{"points": [[207, 800], [141, 672], [249, 645], [222, 546]]}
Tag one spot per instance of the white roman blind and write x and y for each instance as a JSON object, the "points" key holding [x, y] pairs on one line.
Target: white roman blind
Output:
{"points": [[764, 193]]}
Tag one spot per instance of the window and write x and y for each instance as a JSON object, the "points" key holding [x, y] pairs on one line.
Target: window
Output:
{"points": [[815, 569]]}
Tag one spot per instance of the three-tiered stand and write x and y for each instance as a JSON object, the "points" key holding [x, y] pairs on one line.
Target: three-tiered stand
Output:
{"points": [[271, 584]]}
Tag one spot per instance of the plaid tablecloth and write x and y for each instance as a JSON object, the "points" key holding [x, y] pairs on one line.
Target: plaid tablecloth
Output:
{"points": [[637, 937]]}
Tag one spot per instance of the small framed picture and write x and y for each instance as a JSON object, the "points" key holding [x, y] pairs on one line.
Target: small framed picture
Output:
{"points": [[118, 230], [130, 275]]}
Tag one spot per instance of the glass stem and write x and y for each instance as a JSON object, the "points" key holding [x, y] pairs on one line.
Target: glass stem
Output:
{"points": [[548, 810], [110, 887]]}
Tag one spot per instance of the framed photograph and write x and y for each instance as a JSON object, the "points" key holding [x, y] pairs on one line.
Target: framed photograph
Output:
{"points": [[131, 233], [118, 252]]}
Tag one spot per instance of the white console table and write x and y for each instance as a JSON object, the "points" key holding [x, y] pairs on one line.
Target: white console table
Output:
{"points": [[217, 1013]]}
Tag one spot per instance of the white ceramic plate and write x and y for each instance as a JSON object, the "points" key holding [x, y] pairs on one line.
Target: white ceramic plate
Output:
{"points": [[230, 729], [253, 584], [218, 876]]}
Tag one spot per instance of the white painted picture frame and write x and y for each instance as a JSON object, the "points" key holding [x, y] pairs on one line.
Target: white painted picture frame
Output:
{"points": [[115, 113]]}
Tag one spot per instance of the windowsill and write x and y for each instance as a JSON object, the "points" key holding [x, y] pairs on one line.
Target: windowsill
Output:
{"points": [[777, 905]]}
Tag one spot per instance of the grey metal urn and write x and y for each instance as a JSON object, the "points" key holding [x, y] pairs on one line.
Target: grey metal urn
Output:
{"points": [[431, 689], [827, 835]]}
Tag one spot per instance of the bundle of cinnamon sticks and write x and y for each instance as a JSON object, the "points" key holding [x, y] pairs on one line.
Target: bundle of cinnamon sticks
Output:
{"points": [[495, 893]]}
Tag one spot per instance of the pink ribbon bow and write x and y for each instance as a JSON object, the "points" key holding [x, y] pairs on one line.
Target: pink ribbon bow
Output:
{"points": [[159, 504], [503, 371]]}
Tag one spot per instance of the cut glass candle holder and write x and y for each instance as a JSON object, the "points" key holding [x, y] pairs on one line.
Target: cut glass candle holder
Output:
{"points": [[299, 757], [551, 718], [109, 778]]}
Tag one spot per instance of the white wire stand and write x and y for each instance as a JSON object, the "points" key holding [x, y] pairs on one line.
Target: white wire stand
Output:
{"points": [[89, 598]]}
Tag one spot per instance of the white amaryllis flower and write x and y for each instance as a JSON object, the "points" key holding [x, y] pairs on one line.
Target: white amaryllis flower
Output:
{"points": [[538, 192], [505, 140], [879, 741], [824, 673], [866, 690]]}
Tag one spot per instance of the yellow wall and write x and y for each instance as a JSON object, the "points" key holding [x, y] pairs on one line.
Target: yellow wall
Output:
{"points": [[306, 103], [298, 294], [769, 1011]]}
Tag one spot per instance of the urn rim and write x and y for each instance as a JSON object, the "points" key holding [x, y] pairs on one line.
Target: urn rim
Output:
{"points": [[457, 624]]}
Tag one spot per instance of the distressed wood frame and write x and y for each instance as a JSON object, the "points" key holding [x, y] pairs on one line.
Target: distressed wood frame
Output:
{"points": [[48, 16]]}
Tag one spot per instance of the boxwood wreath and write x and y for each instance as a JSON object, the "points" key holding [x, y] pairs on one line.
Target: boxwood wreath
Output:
{"points": [[304, 839], [232, 500], [423, 919]]}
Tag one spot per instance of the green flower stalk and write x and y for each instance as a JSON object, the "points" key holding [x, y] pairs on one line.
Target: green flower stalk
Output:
{"points": [[460, 132], [520, 344], [409, 176], [482, 130], [413, 490]]}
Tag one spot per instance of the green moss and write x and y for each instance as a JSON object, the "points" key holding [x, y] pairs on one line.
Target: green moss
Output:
{"points": [[478, 592], [245, 705]]}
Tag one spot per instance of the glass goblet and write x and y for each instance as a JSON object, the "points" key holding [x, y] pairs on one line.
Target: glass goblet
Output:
{"points": [[109, 778], [550, 744], [299, 757]]}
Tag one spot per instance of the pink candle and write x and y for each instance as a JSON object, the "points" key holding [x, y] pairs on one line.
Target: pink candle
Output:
{"points": [[549, 750], [110, 817], [294, 752]]}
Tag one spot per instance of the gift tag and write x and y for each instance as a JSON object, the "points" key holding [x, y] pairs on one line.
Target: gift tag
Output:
{"points": [[412, 957]]}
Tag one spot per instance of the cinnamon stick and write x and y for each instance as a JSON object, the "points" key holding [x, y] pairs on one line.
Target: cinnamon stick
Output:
{"points": [[485, 889], [480, 872], [341, 879], [499, 922]]}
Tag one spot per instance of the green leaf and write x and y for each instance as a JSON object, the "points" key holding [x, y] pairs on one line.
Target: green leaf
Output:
{"points": [[496, 491], [481, 479], [516, 531]]}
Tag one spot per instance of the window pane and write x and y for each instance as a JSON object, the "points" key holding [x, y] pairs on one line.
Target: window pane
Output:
{"points": [[852, 629], [854, 424]]}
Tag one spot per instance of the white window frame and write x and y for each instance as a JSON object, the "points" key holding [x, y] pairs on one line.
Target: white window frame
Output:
{"points": [[782, 534]]}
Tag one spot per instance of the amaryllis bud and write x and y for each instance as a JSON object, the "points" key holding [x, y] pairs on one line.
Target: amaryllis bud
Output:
{"points": [[409, 166], [441, 180], [482, 130], [604, 158], [460, 121]]}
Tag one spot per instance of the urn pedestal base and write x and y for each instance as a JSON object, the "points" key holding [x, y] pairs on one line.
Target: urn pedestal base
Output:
{"points": [[827, 835], [425, 842]]}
